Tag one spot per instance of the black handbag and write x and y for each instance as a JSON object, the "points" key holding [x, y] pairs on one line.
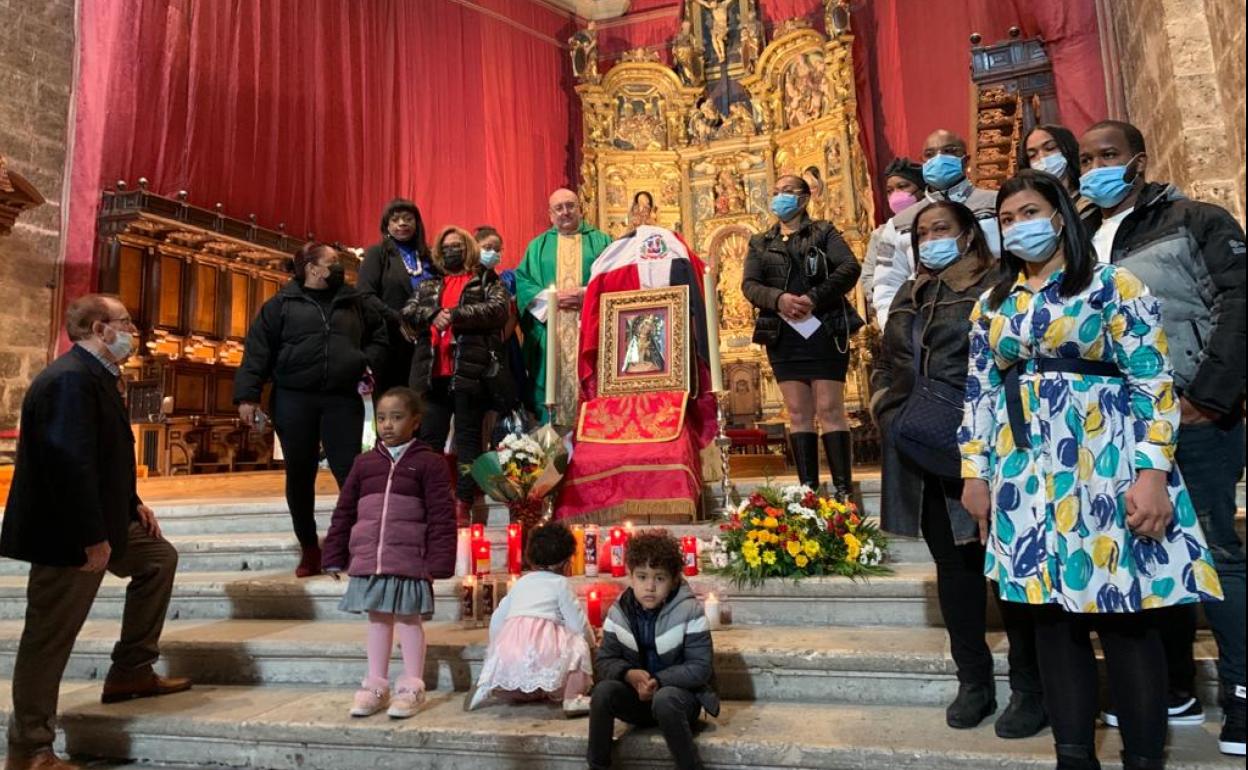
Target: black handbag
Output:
{"points": [[926, 429]]}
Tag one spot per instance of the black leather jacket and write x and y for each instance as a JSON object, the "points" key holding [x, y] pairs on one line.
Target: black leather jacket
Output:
{"points": [[815, 261], [477, 322]]}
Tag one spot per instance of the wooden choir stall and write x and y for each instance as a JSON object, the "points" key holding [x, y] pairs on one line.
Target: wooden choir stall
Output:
{"points": [[192, 279]]}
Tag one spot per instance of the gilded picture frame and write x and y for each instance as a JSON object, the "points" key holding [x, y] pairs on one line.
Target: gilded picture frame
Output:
{"points": [[643, 341]]}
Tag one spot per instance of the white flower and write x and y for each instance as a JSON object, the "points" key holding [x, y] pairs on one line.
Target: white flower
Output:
{"points": [[719, 560], [794, 493]]}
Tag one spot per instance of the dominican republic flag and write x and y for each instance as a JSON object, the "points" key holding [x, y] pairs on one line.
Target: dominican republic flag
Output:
{"points": [[650, 258]]}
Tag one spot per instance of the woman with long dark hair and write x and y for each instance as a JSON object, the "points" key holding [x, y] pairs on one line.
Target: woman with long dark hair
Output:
{"points": [[1067, 449], [797, 274], [1055, 149], [924, 349], [315, 341], [389, 275]]}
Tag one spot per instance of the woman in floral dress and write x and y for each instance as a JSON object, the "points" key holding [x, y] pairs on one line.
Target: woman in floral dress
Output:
{"points": [[1067, 450]]}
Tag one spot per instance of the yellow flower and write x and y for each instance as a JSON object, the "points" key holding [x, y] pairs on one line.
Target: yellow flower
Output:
{"points": [[793, 547], [811, 547], [769, 557], [753, 561], [770, 522], [757, 522], [801, 560], [854, 547]]}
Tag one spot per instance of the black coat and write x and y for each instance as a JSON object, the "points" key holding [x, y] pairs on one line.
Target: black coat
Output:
{"points": [[942, 304], [477, 322], [297, 346], [774, 267], [74, 483], [387, 286]]}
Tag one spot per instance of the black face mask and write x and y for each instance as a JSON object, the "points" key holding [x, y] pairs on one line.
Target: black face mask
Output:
{"points": [[453, 258], [337, 276]]}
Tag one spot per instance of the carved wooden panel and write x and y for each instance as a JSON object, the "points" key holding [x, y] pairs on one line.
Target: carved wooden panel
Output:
{"points": [[204, 279], [240, 305], [190, 391], [169, 309], [130, 271]]}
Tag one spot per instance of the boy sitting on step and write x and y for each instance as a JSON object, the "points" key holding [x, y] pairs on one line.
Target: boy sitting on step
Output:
{"points": [[654, 663]]}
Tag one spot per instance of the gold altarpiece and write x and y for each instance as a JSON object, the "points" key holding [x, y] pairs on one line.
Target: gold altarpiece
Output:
{"points": [[707, 139]]}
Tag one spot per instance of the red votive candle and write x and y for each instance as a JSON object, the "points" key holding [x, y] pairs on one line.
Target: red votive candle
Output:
{"points": [[689, 547], [617, 552], [593, 607], [481, 557], [515, 549]]}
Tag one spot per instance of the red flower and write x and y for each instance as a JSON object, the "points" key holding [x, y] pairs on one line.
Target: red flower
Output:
{"points": [[810, 501], [757, 501], [782, 528]]}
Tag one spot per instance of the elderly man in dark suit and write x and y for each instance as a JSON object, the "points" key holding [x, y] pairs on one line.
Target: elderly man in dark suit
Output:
{"points": [[74, 512]]}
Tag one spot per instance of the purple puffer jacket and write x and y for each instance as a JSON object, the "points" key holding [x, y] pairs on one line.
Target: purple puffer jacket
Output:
{"points": [[394, 518]]}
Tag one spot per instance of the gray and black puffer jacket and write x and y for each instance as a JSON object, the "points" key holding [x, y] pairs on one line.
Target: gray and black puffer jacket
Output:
{"points": [[682, 642], [1191, 257]]}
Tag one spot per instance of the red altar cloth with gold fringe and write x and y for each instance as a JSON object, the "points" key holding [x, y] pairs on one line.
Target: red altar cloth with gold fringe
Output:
{"points": [[635, 459]]}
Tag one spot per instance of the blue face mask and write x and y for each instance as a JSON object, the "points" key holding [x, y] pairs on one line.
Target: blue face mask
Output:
{"points": [[490, 258], [939, 253], [943, 171], [1055, 164], [1106, 186], [785, 205], [1033, 240]]}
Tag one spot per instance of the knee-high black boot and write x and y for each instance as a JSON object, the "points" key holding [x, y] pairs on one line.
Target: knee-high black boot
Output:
{"points": [[806, 458], [839, 447]]}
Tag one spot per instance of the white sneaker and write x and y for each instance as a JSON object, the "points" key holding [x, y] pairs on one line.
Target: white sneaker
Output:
{"points": [[576, 707]]}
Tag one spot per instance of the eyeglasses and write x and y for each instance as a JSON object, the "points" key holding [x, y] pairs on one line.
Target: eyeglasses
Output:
{"points": [[124, 321]]}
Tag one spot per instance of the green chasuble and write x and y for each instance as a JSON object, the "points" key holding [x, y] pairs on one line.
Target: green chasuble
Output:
{"points": [[537, 272]]}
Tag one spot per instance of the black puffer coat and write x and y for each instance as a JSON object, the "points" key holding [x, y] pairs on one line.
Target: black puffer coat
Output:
{"points": [[295, 344], [942, 304], [477, 322], [774, 266]]}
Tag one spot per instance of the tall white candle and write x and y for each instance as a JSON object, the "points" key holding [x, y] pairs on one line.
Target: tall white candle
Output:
{"points": [[463, 552], [711, 607], [552, 346], [711, 294]]}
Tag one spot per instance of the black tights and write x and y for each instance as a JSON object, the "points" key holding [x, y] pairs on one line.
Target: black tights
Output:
{"points": [[441, 404], [963, 593], [1136, 663]]}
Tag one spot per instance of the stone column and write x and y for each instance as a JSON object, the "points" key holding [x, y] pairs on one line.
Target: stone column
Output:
{"points": [[1182, 68]]}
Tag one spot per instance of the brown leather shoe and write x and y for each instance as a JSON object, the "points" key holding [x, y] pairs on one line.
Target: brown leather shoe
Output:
{"points": [[40, 760], [141, 684]]}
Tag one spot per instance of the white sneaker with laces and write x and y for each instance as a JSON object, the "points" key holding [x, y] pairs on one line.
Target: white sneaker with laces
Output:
{"points": [[576, 707]]}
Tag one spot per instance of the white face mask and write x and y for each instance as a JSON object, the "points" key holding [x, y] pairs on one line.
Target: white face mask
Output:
{"points": [[121, 347]]}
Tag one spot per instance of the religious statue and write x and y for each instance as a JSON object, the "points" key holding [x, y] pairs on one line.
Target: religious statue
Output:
{"points": [[561, 258], [686, 55], [719, 26], [643, 211], [729, 196], [836, 20], [584, 49], [740, 120], [652, 130], [704, 122], [751, 35]]}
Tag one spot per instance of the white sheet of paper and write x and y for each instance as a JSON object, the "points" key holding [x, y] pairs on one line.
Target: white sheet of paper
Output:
{"points": [[538, 307], [806, 327]]}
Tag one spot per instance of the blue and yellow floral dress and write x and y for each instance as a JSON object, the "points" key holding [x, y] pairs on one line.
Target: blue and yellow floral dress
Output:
{"points": [[1058, 530]]}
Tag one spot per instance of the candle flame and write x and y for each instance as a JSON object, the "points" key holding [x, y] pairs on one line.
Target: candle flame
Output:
{"points": [[593, 594]]}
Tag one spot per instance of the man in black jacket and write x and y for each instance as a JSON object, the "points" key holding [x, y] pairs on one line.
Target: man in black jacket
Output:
{"points": [[1191, 257], [74, 512]]}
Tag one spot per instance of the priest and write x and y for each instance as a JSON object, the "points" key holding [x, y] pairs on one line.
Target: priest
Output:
{"points": [[560, 257]]}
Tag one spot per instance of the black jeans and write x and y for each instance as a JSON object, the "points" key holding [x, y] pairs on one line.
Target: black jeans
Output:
{"points": [[1211, 460], [441, 404], [1136, 663], [305, 421], [963, 593], [673, 709]]}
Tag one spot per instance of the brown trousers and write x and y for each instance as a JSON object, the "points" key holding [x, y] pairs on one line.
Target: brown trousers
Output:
{"points": [[58, 600]]}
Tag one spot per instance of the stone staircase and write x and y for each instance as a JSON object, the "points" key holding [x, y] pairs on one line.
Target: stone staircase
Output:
{"points": [[824, 673]]}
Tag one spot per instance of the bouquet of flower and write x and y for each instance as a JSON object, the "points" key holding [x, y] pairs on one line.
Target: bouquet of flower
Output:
{"points": [[795, 532], [523, 473]]}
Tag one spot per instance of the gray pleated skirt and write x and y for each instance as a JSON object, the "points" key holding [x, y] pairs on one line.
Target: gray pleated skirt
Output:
{"points": [[388, 593]]}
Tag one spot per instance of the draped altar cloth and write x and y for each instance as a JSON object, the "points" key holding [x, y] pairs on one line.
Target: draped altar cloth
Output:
{"points": [[638, 456]]}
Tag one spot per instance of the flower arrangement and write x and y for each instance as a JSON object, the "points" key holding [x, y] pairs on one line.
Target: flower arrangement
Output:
{"points": [[795, 532], [522, 473]]}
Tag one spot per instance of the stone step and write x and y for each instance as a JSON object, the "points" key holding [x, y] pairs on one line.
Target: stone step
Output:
{"points": [[865, 666], [905, 598], [283, 728], [272, 551]]}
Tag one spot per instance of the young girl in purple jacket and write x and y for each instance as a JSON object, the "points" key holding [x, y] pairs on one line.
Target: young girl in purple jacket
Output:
{"points": [[393, 532]]}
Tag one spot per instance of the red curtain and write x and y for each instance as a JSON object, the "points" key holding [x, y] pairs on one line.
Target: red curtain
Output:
{"points": [[316, 112]]}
